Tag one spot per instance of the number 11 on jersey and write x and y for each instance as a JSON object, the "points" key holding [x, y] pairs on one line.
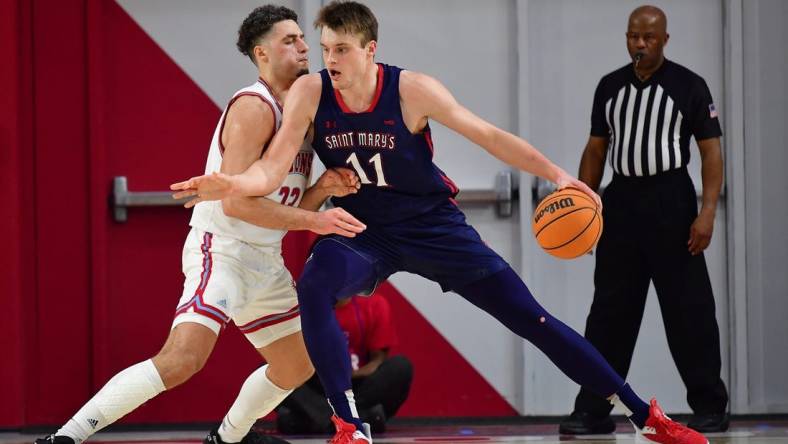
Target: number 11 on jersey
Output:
{"points": [[376, 161]]}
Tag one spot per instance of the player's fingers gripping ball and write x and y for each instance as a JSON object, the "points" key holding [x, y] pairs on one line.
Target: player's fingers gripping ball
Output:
{"points": [[567, 223]]}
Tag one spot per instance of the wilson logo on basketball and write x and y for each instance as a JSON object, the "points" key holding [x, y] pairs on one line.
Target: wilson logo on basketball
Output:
{"points": [[567, 223], [553, 207]]}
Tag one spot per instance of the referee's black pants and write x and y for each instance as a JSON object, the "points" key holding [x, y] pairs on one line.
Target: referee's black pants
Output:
{"points": [[646, 228]]}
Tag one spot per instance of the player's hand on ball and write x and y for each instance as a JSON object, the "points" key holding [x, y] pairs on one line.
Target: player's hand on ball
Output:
{"points": [[337, 221], [567, 181], [339, 182], [215, 186]]}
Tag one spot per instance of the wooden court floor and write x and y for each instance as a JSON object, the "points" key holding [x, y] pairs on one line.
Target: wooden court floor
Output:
{"points": [[741, 432]]}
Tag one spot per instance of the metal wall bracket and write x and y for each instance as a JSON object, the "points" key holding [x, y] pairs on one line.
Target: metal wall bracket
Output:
{"points": [[540, 188], [122, 198], [502, 196]]}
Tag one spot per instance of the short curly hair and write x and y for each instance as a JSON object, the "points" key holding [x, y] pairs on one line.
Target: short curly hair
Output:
{"points": [[257, 24]]}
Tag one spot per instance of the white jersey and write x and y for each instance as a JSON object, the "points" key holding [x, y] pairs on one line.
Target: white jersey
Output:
{"points": [[209, 216]]}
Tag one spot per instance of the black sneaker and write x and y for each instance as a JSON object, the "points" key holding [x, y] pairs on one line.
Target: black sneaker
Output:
{"points": [[583, 423], [212, 438], [710, 422], [55, 439], [375, 416], [252, 437], [285, 421]]}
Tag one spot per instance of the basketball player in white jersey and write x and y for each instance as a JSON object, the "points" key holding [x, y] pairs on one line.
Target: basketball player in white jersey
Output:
{"points": [[232, 265]]}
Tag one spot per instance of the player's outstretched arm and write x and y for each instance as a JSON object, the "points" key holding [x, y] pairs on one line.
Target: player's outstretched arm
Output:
{"points": [[299, 110], [264, 175], [266, 213], [428, 97]]}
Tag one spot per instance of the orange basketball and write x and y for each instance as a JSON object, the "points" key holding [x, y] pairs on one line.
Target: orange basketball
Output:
{"points": [[567, 223]]}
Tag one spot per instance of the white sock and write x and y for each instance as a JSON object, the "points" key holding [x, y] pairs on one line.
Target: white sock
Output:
{"points": [[257, 398], [123, 393], [616, 401]]}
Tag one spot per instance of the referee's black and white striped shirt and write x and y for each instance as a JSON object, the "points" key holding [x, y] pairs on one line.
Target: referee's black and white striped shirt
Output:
{"points": [[649, 124]]}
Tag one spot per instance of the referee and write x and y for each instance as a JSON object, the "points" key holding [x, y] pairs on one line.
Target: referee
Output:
{"points": [[642, 119]]}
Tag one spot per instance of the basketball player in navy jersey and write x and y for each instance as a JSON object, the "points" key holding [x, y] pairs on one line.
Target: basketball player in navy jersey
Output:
{"points": [[375, 118]]}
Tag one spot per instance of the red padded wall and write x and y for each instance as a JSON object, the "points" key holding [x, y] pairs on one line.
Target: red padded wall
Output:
{"points": [[17, 282]]}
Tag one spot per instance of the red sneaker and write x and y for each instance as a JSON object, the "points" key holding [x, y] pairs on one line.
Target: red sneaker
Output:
{"points": [[347, 433], [663, 430]]}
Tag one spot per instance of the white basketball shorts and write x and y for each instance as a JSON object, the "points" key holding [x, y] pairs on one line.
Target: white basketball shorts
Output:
{"points": [[227, 279]]}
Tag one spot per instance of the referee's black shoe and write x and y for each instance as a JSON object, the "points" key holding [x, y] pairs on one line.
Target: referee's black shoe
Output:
{"points": [[583, 423], [710, 422]]}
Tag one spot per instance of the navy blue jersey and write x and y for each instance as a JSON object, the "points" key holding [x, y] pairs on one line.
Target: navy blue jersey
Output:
{"points": [[399, 179]]}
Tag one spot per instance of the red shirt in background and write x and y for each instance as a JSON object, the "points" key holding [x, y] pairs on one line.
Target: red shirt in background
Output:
{"points": [[366, 322]]}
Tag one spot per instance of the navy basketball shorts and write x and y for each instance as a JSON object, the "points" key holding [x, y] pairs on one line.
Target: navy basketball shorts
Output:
{"points": [[438, 245]]}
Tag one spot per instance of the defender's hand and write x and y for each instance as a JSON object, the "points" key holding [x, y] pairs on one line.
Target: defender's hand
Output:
{"points": [[566, 181], [214, 186], [700, 233], [339, 182], [336, 221]]}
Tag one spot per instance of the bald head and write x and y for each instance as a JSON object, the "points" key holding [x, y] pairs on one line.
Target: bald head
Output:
{"points": [[649, 15], [646, 37]]}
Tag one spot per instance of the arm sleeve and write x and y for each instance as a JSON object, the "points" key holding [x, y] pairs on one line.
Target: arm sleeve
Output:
{"points": [[705, 120], [381, 333], [599, 127]]}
